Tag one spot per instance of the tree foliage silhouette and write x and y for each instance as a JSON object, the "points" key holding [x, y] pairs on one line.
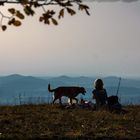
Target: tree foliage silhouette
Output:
{"points": [[29, 7]]}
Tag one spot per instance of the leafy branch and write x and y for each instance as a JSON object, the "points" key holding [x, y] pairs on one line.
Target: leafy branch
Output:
{"points": [[48, 16]]}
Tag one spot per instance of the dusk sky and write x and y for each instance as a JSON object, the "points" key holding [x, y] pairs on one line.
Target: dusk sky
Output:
{"points": [[105, 43]]}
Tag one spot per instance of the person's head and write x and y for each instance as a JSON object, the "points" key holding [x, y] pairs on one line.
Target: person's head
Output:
{"points": [[98, 84]]}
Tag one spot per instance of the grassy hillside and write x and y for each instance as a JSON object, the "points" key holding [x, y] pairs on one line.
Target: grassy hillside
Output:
{"points": [[51, 121]]}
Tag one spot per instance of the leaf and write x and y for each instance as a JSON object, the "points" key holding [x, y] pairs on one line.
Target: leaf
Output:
{"points": [[52, 12], [71, 11], [54, 21], [4, 27], [17, 23], [47, 15], [19, 15], [41, 19], [11, 21], [68, 3], [84, 7], [87, 12], [28, 11], [46, 21], [61, 13], [12, 10], [36, 4], [81, 7]]}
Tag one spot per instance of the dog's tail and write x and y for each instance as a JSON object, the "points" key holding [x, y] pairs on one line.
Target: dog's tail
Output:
{"points": [[49, 88]]}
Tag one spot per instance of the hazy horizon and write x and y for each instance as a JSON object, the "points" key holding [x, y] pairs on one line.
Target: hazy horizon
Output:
{"points": [[104, 44], [72, 76]]}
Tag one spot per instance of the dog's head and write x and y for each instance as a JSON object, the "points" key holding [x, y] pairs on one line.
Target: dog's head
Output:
{"points": [[82, 90]]}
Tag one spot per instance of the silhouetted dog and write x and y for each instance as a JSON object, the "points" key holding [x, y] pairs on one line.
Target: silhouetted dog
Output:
{"points": [[70, 92]]}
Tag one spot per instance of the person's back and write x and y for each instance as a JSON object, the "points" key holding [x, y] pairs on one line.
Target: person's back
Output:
{"points": [[99, 94]]}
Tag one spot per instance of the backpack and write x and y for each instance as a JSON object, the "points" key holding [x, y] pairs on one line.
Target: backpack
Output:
{"points": [[112, 100], [113, 103]]}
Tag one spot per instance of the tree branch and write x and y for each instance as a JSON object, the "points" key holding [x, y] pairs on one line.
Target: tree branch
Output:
{"points": [[47, 17]]}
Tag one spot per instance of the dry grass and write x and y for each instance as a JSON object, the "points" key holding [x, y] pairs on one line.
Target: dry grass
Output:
{"points": [[50, 121]]}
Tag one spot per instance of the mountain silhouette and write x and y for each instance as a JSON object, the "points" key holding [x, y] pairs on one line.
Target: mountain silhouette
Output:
{"points": [[12, 86]]}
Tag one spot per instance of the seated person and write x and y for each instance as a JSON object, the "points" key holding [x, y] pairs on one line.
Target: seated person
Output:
{"points": [[99, 94]]}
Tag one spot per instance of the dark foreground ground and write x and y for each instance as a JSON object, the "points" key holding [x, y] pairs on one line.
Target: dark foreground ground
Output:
{"points": [[52, 122]]}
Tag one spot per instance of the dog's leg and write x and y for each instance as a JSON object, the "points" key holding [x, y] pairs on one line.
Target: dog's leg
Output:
{"points": [[76, 100], [71, 101], [54, 100], [60, 101]]}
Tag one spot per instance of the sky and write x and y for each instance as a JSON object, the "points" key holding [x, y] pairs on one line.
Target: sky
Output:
{"points": [[106, 43]]}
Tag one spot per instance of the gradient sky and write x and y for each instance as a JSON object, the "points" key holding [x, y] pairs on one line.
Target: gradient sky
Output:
{"points": [[105, 43]]}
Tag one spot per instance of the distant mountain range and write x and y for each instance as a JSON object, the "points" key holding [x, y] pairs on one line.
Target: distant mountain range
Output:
{"points": [[17, 86]]}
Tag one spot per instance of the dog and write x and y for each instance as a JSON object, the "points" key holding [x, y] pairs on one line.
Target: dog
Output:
{"points": [[70, 92]]}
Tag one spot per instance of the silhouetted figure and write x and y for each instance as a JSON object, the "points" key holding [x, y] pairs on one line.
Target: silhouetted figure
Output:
{"points": [[70, 92], [99, 94]]}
